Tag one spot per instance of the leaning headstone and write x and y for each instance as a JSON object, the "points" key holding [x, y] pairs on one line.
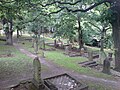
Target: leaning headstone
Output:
{"points": [[90, 56], [37, 81], [106, 66]]}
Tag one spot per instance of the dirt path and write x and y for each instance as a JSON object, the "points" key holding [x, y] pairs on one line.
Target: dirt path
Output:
{"points": [[55, 70]]}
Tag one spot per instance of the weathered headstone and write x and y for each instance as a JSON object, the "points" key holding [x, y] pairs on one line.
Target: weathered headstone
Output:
{"points": [[67, 50], [107, 64], [55, 43], [37, 73], [90, 56], [82, 51], [70, 47]]}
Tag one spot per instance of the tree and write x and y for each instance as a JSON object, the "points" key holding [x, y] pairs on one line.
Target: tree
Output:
{"points": [[115, 22], [10, 10]]}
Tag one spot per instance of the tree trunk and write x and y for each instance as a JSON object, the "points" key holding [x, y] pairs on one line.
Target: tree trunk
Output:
{"points": [[116, 39], [36, 45], [116, 31], [18, 34], [80, 41], [9, 34], [102, 40], [9, 39]]}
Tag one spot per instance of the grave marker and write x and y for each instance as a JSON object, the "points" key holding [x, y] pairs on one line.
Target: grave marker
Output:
{"points": [[90, 56], [107, 64], [37, 73]]}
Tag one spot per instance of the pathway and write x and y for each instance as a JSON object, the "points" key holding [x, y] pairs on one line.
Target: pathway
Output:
{"points": [[55, 70]]}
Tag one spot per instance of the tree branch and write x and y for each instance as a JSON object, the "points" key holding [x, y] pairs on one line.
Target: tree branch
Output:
{"points": [[84, 10], [96, 26], [43, 15], [55, 2]]}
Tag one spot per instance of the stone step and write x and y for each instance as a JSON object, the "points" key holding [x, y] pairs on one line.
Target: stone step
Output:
{"points": [[89, 62]]}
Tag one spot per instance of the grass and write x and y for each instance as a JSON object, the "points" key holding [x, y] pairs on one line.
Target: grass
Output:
{"points": [[18, 65], [10, 66], [68, 62], [95, 86], [72, 63]]}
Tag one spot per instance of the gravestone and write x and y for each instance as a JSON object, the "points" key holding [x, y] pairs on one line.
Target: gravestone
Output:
{"points": [[55, 43], [37, 81], [67, 50], [82, 51], [64, 82], [90, 56], [107, 64]]}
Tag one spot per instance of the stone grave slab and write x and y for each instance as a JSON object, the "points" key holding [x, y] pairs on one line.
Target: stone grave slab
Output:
{"points": [[88, 64], [64, 82]]}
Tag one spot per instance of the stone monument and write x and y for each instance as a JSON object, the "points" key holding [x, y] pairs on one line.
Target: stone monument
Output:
{"points": [[107, 64], [37, 81], [67, 50], [90, 56]]}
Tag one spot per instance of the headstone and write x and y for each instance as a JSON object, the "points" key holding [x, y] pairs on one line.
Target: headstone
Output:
{"points": [[90, 56], [37, 81], [82, 51], [67, 50], [70, 47], [106, 64], [55, 43]]}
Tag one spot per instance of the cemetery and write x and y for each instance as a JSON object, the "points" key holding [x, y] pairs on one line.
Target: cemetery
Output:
{"points": [[59, 45]]}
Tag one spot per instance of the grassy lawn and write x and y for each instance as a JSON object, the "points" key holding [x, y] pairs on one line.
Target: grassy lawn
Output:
{"points": [[72, 63], [68, 62], [13, 66], [19, 65]]}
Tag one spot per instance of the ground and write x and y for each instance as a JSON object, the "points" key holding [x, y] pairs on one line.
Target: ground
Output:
{"points": [[18, 68]]}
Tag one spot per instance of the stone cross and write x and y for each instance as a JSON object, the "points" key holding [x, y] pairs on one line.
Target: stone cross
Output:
{"points": [[37, 81]]}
